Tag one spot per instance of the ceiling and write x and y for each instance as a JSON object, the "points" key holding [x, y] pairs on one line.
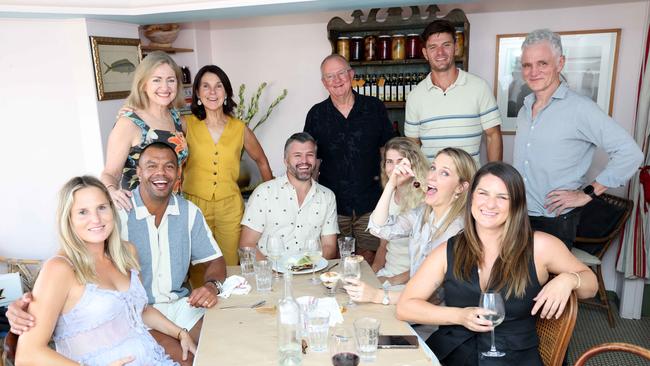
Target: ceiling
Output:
{"points": [[179, 11]]}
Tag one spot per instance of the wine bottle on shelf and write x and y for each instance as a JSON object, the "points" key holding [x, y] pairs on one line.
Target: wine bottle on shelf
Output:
{"points": [[373, 85], [407, 86], [381, 82], [393, 88], [400, 88], [361, 84], [366, 86]]}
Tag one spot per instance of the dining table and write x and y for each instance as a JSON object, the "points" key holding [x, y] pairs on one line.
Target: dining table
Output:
{"points": [[241, 335]]}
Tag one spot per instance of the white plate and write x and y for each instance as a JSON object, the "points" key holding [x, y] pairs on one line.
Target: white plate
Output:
{"points": [[294, 258]]}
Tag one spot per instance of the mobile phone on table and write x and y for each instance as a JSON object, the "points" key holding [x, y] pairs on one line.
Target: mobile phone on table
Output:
{"points": [[398, 341]]}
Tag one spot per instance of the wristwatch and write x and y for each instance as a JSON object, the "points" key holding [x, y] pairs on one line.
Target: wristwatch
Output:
{"points": [[589, 191], [386, 299], [216, 284]]}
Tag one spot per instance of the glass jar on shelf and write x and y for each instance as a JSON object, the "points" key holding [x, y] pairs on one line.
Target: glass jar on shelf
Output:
{"points": [[356, 48], [370, 45], [398, 46], [384, 47], [413, 46], [343, 47]]}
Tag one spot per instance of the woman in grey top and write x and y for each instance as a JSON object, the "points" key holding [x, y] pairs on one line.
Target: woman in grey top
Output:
{"points": [[426, 226]]}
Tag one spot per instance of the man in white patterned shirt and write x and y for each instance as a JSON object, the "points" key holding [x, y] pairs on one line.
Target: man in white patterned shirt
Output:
{"points": [[292, 207]]}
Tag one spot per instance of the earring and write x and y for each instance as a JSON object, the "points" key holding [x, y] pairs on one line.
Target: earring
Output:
{"points": [[225, 102], [199, 102]]}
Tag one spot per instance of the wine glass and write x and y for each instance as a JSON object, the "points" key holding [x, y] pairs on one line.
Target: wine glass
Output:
{"points": [[351, 269], [274, 249], [314, 251], [494, 302], [342, 348]]}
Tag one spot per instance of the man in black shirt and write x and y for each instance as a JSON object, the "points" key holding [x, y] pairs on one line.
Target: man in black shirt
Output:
{"points": [[350, 130]]}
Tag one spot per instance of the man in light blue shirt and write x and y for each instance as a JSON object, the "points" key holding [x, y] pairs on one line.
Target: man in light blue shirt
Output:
{"points": [[558, 132]]}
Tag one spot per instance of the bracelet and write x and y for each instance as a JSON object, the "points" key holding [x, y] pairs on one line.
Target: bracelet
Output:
{"points": [[179, 333], [110, 185], [579, 280]]}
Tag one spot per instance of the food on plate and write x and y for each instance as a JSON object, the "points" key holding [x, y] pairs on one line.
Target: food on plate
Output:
{"points": [[302, 264]]}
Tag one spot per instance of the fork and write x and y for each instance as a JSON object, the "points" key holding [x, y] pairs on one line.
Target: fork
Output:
{"points": [[253, 306]]}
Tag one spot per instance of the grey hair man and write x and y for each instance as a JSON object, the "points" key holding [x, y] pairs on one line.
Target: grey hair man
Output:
{"points": [[558, 131], [293, 207]]}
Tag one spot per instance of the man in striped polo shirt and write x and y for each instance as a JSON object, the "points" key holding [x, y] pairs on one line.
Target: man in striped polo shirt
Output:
{"points": [[450, 107]]}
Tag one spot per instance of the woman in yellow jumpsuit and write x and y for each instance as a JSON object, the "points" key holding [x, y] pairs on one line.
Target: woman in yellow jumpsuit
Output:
{"points": [[215, 139]]}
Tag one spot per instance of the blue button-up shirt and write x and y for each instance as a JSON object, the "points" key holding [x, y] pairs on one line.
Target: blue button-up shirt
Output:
{"points": [[555, 149]]}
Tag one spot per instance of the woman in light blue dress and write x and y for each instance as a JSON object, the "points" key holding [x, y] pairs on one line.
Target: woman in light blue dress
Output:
{"points": [[88, 297]]}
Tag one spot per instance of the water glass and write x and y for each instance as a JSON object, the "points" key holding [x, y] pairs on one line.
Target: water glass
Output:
{"points": [[263, 275], [307, 304], [346, 246], [246, 260], [367, 333], [318, 325]]}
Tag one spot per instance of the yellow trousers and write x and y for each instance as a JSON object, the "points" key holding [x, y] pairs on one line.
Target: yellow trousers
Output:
{"points": [[224, 218]]}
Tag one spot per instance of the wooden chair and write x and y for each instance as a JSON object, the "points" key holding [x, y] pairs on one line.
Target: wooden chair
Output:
{"points": [[600, 224], [612, 347], [555, 334]]}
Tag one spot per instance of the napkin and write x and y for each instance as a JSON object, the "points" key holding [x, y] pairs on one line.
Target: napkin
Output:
{"points": [[235, 285], [330, 305]]}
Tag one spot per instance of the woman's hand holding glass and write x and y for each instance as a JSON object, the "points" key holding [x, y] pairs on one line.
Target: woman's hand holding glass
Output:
{"points": [[362, 292]]}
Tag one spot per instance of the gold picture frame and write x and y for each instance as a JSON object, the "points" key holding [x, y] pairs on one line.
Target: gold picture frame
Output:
{"points": [[590, 69], [114, 61]]}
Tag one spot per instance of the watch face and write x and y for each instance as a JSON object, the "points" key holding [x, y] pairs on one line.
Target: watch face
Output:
{"points": [[589, 190]]}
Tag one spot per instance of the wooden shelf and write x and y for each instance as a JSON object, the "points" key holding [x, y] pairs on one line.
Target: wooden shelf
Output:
{"points": [[394, 105], [389, 62], [165, 49]]}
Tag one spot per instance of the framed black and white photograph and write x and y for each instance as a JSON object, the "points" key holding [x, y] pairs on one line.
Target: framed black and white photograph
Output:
{"points": [[590, 69], [115, 60]]}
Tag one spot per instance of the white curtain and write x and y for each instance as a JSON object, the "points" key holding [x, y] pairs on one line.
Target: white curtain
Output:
{"points": [[634, 252]]}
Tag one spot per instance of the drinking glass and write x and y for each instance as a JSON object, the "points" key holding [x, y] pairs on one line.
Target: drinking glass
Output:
{"points": [[367, 333], [263, 277], [318, 325], [342, 348], [274, 250], [246, 260], [314, 251], [494, 302], [351, 269], [346, 246]]}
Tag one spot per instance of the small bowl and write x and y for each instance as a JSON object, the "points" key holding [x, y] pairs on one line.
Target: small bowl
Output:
{"points": [[161, 35]]}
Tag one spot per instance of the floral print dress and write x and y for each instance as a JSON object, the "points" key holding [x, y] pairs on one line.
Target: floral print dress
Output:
{"points": [[176, 139]]}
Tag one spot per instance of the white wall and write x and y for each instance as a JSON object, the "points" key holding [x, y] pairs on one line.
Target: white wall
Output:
{"points": [[285, 52], [50, 127]]}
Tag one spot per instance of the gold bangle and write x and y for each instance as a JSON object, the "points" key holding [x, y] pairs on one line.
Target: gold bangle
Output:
{"points": [[179, 333], [579, 280]]}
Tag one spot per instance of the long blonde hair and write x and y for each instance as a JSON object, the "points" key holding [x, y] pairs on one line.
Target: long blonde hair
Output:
{"points": [[75, 249], [138, 97], [410, 197], [465, 168], [510, 269]]}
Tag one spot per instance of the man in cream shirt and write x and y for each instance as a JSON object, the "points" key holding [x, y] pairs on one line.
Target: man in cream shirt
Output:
{"points": [[293, 207]]}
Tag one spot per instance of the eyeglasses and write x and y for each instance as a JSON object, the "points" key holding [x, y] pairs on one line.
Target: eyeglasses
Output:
{"points": [[337, 75]]}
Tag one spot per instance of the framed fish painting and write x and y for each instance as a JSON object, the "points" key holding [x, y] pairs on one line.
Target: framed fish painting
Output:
{"points": [[115, 60]]}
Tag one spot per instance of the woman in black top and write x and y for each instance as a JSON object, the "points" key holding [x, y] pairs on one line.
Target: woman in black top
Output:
{"points": [[497, 251]]}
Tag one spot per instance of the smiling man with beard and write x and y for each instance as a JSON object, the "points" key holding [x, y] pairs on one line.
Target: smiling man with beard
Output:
{"points": [[293, 207]]}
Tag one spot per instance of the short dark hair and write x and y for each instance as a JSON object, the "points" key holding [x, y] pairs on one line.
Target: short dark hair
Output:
{"points": [[199, 110], [301, 137], [436, 27], [159, 145]]}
